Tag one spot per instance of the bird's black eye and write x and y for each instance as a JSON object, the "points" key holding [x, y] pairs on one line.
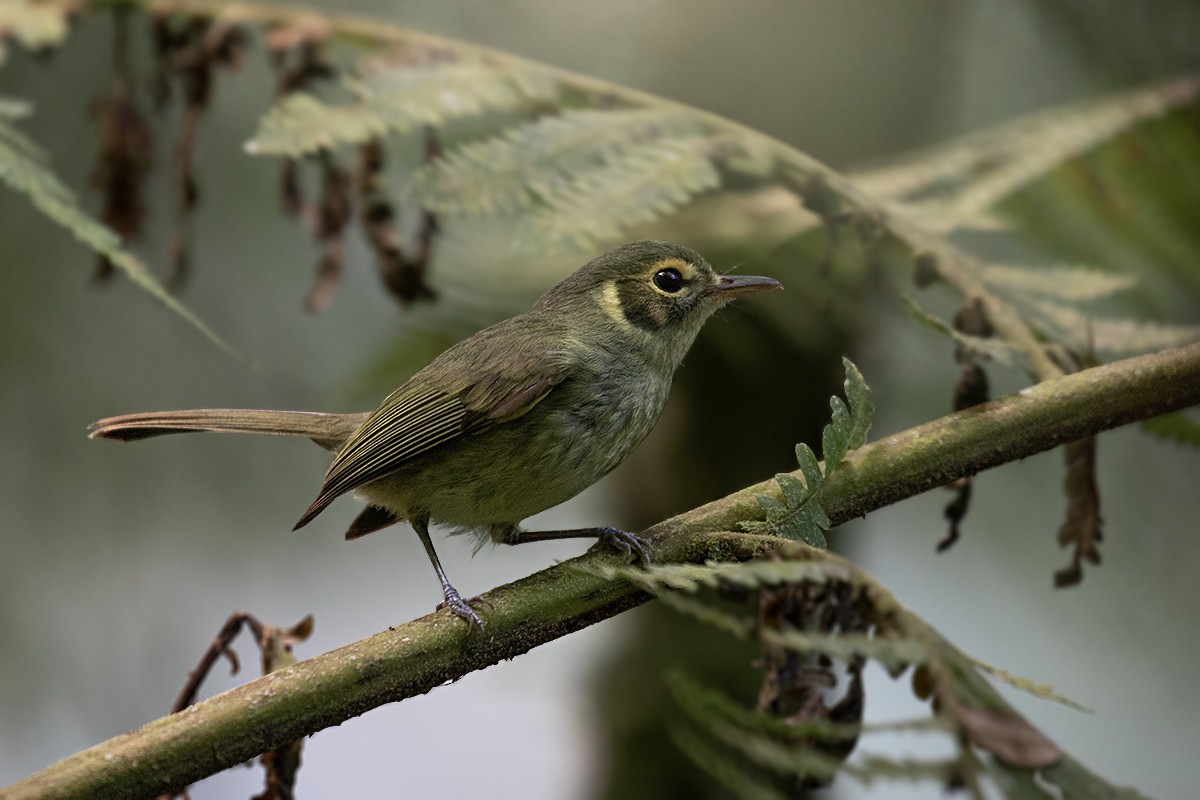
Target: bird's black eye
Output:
{"points": [[669, 280]]}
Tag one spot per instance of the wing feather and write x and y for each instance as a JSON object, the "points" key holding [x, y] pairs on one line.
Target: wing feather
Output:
{"points": [[417, 418]]}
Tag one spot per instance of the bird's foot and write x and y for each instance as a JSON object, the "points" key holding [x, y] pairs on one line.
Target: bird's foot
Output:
{"points": [[463, 609], [634, 547]]}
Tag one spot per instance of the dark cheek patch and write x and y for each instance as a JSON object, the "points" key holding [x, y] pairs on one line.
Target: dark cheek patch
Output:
{"points": [[641, 308]]}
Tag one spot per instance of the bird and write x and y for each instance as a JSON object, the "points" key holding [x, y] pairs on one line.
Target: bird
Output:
{"points": [[513, 420]]}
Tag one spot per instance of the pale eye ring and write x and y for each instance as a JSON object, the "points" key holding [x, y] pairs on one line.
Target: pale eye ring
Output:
{"points": [[669, 280]]}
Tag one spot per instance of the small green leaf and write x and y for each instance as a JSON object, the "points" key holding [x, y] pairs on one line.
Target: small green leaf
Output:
{"points": [[810, 467], [834, 443], [862, 405], [793, 489], [810, 531], [821, 520], [848, 426], [770, 505]]}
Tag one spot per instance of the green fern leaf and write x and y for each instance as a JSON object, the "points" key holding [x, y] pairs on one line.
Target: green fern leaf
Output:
{"points": [[1070, 284], [964, 178], [23, 169], [1073, 781], [1085, 333], [740, 781], [798, 518], [526, 164], [892, 654], [800, 515], [640, 183], [394, 100], [698, 700], [770, 505], [820, 520], [862, 404], [1178, 428], [834, 443], [693, 577], [793, 489], [300, 123], [810, 466], [848, 425]]}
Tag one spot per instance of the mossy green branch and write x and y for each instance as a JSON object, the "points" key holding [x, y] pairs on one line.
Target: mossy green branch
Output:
{"points": [[415, 657]]}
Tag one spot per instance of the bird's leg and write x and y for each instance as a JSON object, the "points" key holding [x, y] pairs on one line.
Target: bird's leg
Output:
{"points": [[453, 600], [633, 546]]}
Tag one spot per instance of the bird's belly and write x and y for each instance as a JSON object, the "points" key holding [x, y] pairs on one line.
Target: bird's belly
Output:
{"points": [[517, 469]]}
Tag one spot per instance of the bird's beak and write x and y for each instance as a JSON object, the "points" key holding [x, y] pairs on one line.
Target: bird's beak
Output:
{"points": [[731, 286]]}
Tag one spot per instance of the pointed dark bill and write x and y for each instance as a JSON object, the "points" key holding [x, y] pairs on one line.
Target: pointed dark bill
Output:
{"points": [[734, 285]]}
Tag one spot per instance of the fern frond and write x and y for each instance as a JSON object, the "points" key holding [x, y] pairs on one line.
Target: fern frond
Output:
{"points": [[642, 182], [1070, 284], [1041, 690], [849, 421], [394, 99], [996, 349], [1073, 781], [892, 653], [809, 604], [23, 169], [693, 577], [742, 782], [701, 700], [529, 163], [1084, 333], [1054, 137], [800, 515], [964, 178]]}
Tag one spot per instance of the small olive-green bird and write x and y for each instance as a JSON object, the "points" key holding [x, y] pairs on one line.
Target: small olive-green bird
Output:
{"points": [[513, 420]]}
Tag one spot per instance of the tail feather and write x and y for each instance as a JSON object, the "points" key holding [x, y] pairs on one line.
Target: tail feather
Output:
{"points": [[327, 430]]}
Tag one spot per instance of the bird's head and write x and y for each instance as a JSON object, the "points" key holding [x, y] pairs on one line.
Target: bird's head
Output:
{"points": [[652, 297]]}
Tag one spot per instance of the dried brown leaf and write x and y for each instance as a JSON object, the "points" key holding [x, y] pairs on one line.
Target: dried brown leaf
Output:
{"points": [[403, 274], [123, 162], [1007, 736], [1082, 526]]}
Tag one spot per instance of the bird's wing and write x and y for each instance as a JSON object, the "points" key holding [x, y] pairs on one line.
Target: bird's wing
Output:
{"points": [[419, 417]]}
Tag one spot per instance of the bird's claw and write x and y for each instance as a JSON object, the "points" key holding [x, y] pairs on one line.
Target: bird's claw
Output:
{"points": [[634, 547], [463, 609]]}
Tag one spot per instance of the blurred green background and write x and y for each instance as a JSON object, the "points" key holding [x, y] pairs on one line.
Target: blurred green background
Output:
{"points": [[117, 564]]}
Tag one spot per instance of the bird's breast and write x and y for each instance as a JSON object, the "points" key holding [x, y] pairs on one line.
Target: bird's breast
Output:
{"points": [[604, 416]]}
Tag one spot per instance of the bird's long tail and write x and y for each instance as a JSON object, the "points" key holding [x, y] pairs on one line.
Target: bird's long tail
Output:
{"points": [[327, 430]]}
